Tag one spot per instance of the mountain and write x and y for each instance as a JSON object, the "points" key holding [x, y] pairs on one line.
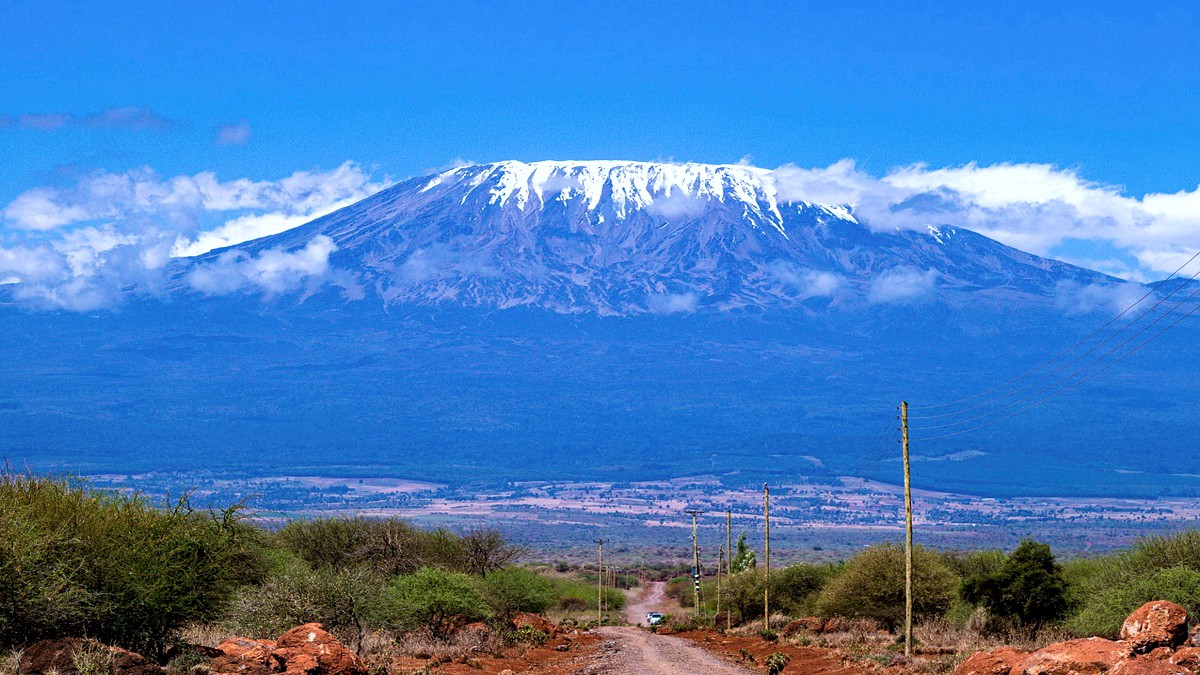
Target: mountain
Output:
{"points": [[598, 321], [623, 238]]}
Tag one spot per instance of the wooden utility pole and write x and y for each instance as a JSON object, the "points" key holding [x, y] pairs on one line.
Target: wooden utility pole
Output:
{"points": [[720, 564], [600, 584], [908, 534], [729, 540], [695, 561], [767, 556]]}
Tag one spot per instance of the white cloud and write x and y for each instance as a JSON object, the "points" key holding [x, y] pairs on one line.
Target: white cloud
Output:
{"points": [[678, 205], [237, 133], [806, 282], [79, 246], [273, 271], [671, 303], [1033, 207], [125, 117], [902, 285]]}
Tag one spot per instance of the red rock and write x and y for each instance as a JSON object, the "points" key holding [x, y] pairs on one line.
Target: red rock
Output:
{"points": [[811, 624], [996, 662], [1148, 667], [236, 646], [1159, 654], [527, 620], [1188, 657], [312, 642], [307, 649], [1155, 624], [1089, 656]]}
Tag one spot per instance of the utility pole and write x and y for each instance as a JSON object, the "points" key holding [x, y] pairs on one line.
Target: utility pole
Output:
{"points": [[695, 560], [908, 534], [729, 539], [767, 556], [720, 564], [600, 584]]}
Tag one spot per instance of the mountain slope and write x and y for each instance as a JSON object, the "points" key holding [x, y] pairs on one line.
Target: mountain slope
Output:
{"points": [[626, 238]]}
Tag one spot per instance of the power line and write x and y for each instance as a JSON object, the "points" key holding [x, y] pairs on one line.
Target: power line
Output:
{"points": [[1068, 349], [1066, 365], [1072, 386], [1071, 375]]}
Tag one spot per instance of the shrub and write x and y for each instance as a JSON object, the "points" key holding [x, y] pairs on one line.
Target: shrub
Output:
{"points": [[484, 551], [514, 589], [572, 604], [1106, 609], [1028, 588], [776, 663], [77, 561], [295, 594], [871, 585], [430, 598], [389, 545], [794, 589], [1104, 590]]}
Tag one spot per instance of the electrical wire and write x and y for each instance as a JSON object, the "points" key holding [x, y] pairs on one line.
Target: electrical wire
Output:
{"points": [[1065, 377], [1066, 365], [1065, 351], [1069, 388]]}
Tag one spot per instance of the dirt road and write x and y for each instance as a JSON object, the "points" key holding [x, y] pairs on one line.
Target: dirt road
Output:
{"points": [[632, 651], [653, 598]]}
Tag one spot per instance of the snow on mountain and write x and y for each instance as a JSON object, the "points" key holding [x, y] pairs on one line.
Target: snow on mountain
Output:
{"points": [[614, 237]]}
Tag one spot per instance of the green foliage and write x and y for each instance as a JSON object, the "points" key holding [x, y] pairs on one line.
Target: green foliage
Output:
{"points": [[1107, 608], [530, 635], [76, 561], [974, 563], [573, 591], [1028, 589], [294, 594], [871, 585], [515, 589], [431, 598], [1105, 590], [795, 588], [744, 559], [776, 662]]}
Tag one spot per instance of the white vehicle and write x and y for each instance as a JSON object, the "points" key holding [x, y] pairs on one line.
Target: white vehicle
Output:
{"points": [[654, 618]]}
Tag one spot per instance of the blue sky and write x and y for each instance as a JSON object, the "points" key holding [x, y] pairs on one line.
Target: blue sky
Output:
{"points": [[1104, 92], [1108, 88]]}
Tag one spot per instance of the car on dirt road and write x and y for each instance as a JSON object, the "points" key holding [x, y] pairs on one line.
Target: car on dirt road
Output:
{"points": [[654, 618]]}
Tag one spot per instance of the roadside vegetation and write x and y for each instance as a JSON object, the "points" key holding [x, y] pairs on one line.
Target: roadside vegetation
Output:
{"points": [[133, 573], [140, 574]]}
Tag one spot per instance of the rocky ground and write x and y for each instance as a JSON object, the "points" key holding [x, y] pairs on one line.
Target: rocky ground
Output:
{"points": [[1153, 641]]}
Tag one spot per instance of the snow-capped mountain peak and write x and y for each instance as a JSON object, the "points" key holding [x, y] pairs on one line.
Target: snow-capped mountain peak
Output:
{"points": [[617, 237], [625, 186]]}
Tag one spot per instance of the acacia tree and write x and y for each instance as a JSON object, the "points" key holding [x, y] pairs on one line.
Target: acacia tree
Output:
{"points": [[1028, 589], [485, 550]]}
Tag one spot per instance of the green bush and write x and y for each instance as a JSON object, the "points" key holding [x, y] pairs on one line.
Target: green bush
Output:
{"points": [[1105, 590], [1106, 609], [515, 589], [431, 598], [871, 585], [795, 588], [1027, 589], [76, 561], [293, 594], [571, 591]]}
